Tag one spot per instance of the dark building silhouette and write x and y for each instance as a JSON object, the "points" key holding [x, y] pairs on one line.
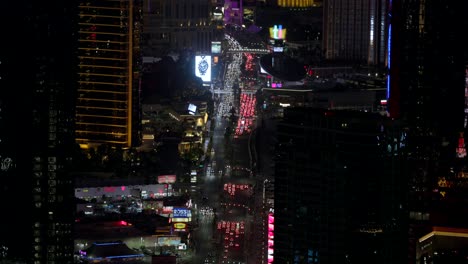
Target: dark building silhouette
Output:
{"points": [[38, 81], [339, 188], [164, 259], [427, 89]]}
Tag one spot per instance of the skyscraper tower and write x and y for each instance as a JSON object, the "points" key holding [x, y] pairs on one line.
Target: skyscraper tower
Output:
{"points": [[339, 195], [355, 31], [175, 25], [426, 88], [108, 98], [36, 131]]}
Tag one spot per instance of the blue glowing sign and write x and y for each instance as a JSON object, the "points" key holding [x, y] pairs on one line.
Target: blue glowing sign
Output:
{"points": [[181, 213]]}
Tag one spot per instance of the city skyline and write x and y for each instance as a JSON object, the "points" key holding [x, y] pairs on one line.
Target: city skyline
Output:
{"points": [[366, 144]]}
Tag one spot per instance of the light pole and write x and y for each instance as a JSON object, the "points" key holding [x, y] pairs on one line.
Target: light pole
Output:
{"points": [[263, 193]]}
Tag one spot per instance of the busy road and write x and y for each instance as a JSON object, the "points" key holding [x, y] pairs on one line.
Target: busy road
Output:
{"points": [[224, 227]]}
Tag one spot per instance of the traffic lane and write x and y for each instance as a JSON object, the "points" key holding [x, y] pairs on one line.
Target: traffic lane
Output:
{"points": [[235, 246], [242, 153], [202, 237], [233, 236]]}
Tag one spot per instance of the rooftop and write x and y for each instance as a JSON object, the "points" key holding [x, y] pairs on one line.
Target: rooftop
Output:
{"points": [[283, 67], [109, 250]]}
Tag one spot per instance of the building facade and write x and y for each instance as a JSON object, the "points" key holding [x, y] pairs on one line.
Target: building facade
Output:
{"points": [[295, 3], [443, 245], [355, 31], [292, 3], [427, 88], [175, 25], [338, 180], [108, 98], [36, 136]]}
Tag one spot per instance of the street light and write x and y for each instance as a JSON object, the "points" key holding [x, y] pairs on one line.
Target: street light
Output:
{"points": [[264, 187]]}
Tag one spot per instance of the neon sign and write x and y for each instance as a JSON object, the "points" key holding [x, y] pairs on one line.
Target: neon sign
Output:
{"points": [[180, 225], [461, 150], [271, 228], [181, 213], [277, 32]]}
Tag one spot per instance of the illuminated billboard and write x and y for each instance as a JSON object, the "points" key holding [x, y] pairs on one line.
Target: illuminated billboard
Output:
{"points": [[192, 109], [461, 150], [277, 32], [271, 228], [168, 240], [218, 14], [181, 213], [179, 227], [215, 47], [277, 49], [203, 67], [166, 178]]}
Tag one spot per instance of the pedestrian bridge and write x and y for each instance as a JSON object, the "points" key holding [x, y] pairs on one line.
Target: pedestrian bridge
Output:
{"points": [[245, 91], [258, 51]]}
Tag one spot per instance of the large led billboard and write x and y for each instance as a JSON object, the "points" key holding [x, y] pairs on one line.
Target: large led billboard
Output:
{"points": [[215, 47], [192, 109], [167, 178], [203, 67], [277, 32]]}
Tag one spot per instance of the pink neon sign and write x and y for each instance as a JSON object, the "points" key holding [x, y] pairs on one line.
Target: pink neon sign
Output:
{"points": [[271, 227]]}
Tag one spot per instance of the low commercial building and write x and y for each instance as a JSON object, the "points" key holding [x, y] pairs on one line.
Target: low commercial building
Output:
{"points": [[110, 252]]}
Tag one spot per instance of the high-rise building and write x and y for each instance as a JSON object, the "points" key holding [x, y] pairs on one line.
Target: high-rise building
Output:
{"points": [[355, 31], [339, 196], [443, 245], [108, 98], [234, 12], [427, 89], [38, 82], [175, 25]]}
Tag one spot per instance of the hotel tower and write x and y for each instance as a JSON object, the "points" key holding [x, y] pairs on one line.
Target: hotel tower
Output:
{"points": [[355, 31], [108, 99]]}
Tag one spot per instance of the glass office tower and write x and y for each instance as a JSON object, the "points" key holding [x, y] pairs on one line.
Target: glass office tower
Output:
{"points": [[426, 88], [340, 179]]}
